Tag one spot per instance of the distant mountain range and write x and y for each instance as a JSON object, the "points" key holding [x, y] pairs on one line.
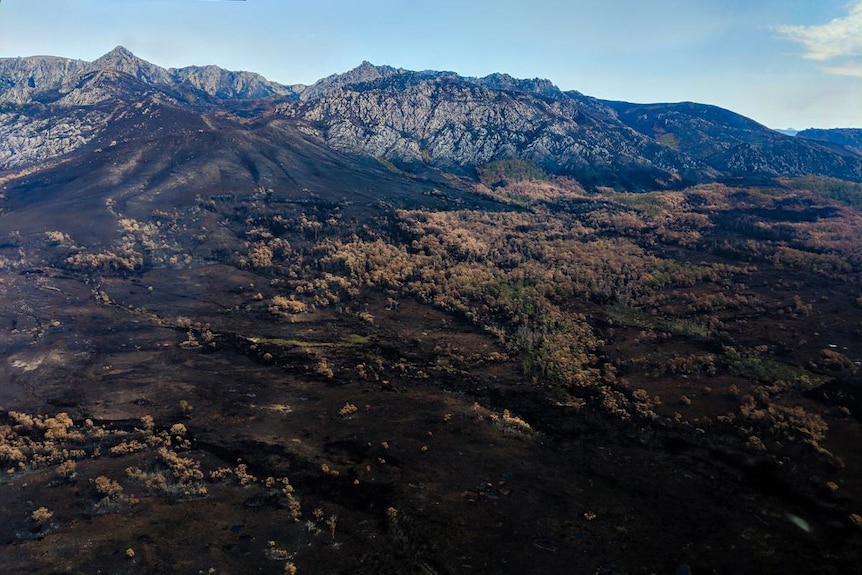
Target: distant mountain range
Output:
{"points": [[850, 138], [415, 122]]}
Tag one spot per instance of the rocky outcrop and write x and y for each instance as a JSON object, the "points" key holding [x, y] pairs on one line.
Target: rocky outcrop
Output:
{"points": [[21, 79], [27, 138]]}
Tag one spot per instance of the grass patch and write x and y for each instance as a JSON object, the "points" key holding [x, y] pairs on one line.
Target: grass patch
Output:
{"points": [[388, 165], [649, 203], [770, 371], [350, 341], [505, 171], [356, 339], [668, 140], [633, 317]]}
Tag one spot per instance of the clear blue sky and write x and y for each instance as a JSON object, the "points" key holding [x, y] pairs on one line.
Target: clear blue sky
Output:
{"points": [[784, 63]]}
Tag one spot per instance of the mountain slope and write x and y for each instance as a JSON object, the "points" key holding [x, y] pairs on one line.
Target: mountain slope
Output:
{"points": [[168, 158], [736, 146], [846, 137]]}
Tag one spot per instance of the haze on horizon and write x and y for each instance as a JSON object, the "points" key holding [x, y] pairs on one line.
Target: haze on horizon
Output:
{"points": [[784, 64]]}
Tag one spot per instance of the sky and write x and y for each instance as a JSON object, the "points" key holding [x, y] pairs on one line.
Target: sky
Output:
{"points": [[784, 63]]}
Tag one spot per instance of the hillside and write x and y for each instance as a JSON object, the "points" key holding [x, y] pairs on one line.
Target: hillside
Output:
{"points": [[847, 137], [736, 146]]}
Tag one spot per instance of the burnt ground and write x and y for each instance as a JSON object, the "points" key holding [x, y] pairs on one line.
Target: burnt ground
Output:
{"points": [[424, 476], [171, 416]]}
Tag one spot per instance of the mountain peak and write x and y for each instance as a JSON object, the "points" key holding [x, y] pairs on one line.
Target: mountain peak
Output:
{"points": [[365, 72], [368, 72], [120, 59], [121, 51], [119, 54]]}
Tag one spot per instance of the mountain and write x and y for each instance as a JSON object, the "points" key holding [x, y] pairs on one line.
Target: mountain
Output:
{"points": [[50, 107], [419, 122], [23, 79], [850, 138], [455, 124], [734, 145]]}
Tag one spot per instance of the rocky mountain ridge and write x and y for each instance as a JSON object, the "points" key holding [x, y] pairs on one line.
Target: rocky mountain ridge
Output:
{"points": [[422, 120], [25, 79], [457, 124]]}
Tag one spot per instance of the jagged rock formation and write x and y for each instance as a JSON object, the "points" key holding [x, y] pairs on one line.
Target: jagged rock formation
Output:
{"points": [[418, 121], [52, 106], [456, 124], [46, 78], [226, 85]]}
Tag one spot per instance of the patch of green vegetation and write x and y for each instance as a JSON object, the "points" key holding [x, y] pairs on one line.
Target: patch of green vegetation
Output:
{"points": [[634, 317], [351, 340], [388, 165], [290, 342], [500, 172], [649, 203], [772, 372], [668, 140], [523, 300]]}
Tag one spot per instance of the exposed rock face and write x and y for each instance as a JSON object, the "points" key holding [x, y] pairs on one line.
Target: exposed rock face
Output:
{"points": [[26, 140], [224, 84], [456, 124], [536, 86], [22, 78], [54, 106]]}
